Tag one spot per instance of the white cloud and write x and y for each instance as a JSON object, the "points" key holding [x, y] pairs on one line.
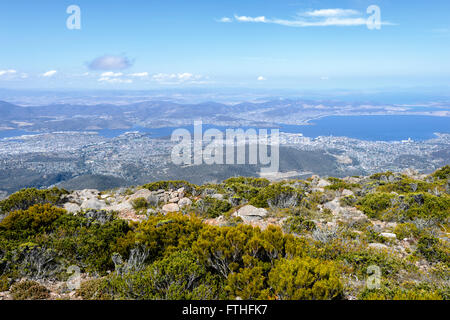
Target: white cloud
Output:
{"points": [[315, 18], [261, 78], [114, 80], [5, 72], [225, 20], [111, 74], [250, 19], [139, 74], [331, 13], [176, 77], [50, 73]]}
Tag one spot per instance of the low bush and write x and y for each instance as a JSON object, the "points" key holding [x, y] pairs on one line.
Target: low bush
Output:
{"points": [[29, 290]]}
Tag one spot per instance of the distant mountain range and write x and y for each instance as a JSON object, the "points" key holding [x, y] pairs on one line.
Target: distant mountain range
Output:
{"points": [[152, 114]]}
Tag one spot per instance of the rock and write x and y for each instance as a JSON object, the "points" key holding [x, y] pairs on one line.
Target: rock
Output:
{"points": [[160, 191], [184, 202], [153, 200], [217, 196], [323, 183], [151, 212], [142, 193], [72, 207], [170, 207], [388, 235], [378, 246], [174, 200], [93, 204], [120, 207], [346, 193], [334, 206], [250, 213]]}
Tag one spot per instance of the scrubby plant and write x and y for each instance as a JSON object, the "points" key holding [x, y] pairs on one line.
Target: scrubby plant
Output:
{"points": [[211, 207], [29, 290], [305, 279], [26, 198], [139, 203], [433, 250], [443, 173], [172, 184], [277, 196]]}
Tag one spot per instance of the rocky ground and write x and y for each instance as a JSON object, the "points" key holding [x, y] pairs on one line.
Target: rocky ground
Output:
{"points": [[331, 215]]}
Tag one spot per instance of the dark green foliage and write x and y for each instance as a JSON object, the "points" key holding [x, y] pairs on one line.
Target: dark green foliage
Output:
{"points": [[26, 198], [375, 203], [433, 250], [173, 184], [254, 182], [139, 203], [339, 184], [298, 224], [211, 207], [29, 290], [443, 173], [278, 196]]}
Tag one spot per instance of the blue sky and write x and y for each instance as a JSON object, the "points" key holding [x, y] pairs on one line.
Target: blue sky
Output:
{"points": [[248, 43]]}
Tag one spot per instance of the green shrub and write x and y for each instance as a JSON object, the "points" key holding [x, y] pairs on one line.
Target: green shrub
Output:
{"points": [[339, 184], [177, 277], [443, 173], [305, 279], [254, 182], [38, 219], [4, 283], [432, 249], [298, 224], [139, 203], [211, 207], [95, 289], [173, 184], [406, 230], [374, 204], [29, 290], [277, 195], [26, 198]]}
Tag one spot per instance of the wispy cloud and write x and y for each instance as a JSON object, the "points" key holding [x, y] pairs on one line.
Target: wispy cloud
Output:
{"points": [[110, 62], [314, 18], [50, 73], [139, 74], [261, 78], [331, 13], [7, 72], [114, 80], [111, 74], [225, 20], [178, 78]]}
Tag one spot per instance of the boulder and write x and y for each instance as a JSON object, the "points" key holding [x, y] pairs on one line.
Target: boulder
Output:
{"points": [[323, 183], [174, 200], [250, 213], [184, 202], [217, 196], [388, 235], [347, 193], [171, 207], [142, 193], [72, 207], [93, 204]]}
